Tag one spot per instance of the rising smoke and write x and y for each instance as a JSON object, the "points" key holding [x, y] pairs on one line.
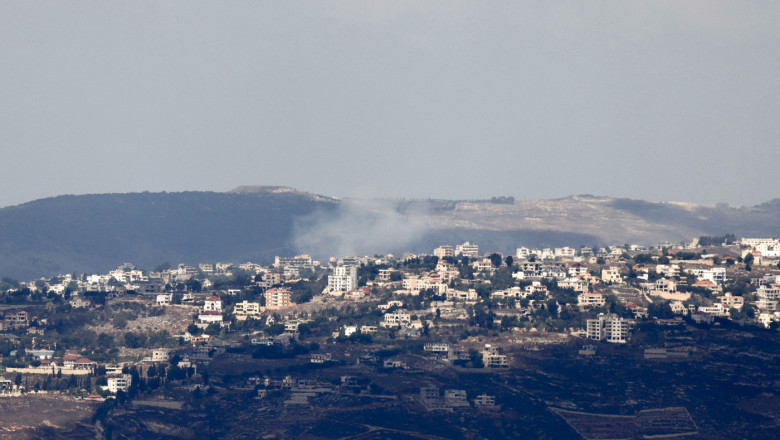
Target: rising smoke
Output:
{"points": [[361, 227]]}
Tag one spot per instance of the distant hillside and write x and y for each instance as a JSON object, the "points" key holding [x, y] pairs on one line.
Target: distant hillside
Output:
{"points": [[93, 233], [607, 220]]}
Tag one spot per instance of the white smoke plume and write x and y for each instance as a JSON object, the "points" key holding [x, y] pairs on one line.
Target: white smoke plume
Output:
{"points": [[361, 227]]}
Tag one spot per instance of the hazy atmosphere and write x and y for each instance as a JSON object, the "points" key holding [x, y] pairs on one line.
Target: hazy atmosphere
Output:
{"points": [[661, 100]]}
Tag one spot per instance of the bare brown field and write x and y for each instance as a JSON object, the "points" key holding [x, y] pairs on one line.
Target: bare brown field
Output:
{"points": [[654, 423], [52, 416]]}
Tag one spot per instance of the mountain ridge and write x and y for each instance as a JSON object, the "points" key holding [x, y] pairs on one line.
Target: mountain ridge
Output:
{"points": [[94, 232]]}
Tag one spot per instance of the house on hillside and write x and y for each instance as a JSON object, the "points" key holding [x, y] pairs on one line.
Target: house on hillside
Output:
{"points": [[212, 304]]}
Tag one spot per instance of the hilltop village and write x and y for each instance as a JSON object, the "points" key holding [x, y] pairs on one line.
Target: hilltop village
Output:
{"points": [[302, 340]]}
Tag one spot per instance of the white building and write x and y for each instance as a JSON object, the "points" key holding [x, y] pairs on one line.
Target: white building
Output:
{"points": [[768, 305], [672, 270], [664, 285], [444, 251], [523, 253], [713, 274], [535, 287], [715, 310], [576, 270], [492, 358], [462, 295], [467, 250], [610, 328], [437, 347], [212, 304], [576, 284], [590, 300], [384, 275], [245, 309], [729, 301], [611, 275], [298, 262], [565, 252], [546, 254], [206, 267], [396, 319], [343, 279], [160, 355], [483, 265], [678, 308], [768, 247], [768, 291], [119, 382], [210, 317], [367, 329], [766, 319]]}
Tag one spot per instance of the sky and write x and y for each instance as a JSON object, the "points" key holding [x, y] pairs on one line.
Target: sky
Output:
{"points": [[658, 100]]}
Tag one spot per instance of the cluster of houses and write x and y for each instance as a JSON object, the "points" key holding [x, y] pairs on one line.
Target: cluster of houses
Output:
{"points": [[569, 267], [45, 363], [276, 298], [490, 355], [591, 274], [432, 398]]}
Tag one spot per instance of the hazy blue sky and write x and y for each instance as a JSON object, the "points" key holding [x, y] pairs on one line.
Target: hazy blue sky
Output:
{"points": [[661, 100]]}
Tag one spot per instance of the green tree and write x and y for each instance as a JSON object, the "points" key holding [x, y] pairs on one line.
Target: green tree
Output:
{"points": [[134, 340], [105, 341]]}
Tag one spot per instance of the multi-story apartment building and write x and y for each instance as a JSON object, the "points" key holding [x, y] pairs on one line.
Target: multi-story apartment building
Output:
{"points": [[16, 319], [522, 253], [161, 355], [771, 291], [611, 275], [467, 250], [535, 287], [246, 308], [298, 262], [610, 328], [565, 252], [384, 275], [714, 274], [343, 279], [664, 285], [729, 301], [277, 298], [444, 251], [669, 270], [492, 358], [590, 300], [119, 382]]}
